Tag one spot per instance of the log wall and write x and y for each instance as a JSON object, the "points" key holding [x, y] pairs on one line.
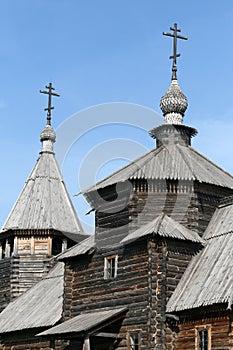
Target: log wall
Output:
{"points": [[26, 270], [5, 282], [26, 340], [148, 272], [190, 203], [86, 289], [220, 334]]}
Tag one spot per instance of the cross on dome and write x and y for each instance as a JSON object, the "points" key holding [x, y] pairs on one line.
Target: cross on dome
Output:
{"points": [[175, 36], [50, 93], [174, 103], [48, 135]]}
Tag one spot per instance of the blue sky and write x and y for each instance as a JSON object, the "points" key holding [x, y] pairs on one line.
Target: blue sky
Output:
{"points": [[97, 52]]}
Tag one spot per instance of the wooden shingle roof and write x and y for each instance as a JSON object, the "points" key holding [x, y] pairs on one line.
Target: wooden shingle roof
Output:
{"points": [[174, 162], [39, 306], [162, 225], [166, 227], [84, 322], [208, 279], [84, 247]]}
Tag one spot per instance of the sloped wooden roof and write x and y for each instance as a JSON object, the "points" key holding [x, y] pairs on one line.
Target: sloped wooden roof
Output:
{"points": [[84, 247], [164, 226], [39, 306], [174, 162], [84, 322], [222, 220], [44, 202], [208, 279]]}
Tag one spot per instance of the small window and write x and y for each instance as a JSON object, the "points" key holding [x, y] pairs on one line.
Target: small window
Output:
{"points": [[134, 340], [110, 267], [203, 338]]}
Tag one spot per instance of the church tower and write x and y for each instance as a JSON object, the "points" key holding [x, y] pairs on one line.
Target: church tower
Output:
{"points": [[41, 224], [173, 178]]}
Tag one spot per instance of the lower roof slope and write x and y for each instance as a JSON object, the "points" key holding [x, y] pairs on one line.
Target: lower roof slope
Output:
{"points": [[39, 306], [87, 246], [208, 279], [166, 227], [162, 225]]}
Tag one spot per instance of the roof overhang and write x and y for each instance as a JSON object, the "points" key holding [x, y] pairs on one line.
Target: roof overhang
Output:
{"points": [[84, 324]]}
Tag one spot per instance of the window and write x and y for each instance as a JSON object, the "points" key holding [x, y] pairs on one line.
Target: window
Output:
{"points": [[203, 338], [110, 267], [134, 340]]}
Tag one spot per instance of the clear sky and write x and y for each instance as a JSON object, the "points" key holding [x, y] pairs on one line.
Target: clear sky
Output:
{"points": [[101, 51]]}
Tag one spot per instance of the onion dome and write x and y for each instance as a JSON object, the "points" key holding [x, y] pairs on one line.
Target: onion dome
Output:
{"points": [[174, 104], [47, 137], [48, 134]]}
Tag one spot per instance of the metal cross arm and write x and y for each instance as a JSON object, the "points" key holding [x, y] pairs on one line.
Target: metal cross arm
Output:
{"points": [[175, 36], [50, 93]]}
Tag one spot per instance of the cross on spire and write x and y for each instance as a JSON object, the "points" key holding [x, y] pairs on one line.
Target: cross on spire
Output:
{"points": [[50, 93], [175, 54]]}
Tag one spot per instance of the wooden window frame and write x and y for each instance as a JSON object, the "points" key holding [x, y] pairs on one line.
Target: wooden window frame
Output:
{"points": [[202, 328], [138, 332], [110, 271]]}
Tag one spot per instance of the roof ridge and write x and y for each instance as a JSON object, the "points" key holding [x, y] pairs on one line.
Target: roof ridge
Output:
{"points": [[210, 161], [180, 149], [219, 235]]}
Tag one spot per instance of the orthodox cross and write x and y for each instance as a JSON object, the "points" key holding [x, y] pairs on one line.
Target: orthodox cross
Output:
{"points": [[175, 54], [50, 93]]}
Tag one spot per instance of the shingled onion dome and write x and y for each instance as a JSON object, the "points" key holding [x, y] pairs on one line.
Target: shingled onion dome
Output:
{"points": [[174, 104], [47, 137]]}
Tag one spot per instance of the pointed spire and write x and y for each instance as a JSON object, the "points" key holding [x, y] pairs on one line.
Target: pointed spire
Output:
{"points": [[174, 103], [44, 203], [48, 135]]}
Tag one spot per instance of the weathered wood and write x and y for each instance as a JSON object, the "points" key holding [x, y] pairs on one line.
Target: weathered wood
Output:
{"points": [[106, 335]]}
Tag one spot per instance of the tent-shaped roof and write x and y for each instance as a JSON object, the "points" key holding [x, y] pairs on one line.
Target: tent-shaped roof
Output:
{"points": [[174, 162], [39, 306], [208, 279], [44, 202]]}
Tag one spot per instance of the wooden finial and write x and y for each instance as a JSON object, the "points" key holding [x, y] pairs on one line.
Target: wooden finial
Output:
{"points": [[175, 54], [50, 93]]}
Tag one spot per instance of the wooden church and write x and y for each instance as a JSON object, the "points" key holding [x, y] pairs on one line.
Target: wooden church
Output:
{"points": [[157, 273]]}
